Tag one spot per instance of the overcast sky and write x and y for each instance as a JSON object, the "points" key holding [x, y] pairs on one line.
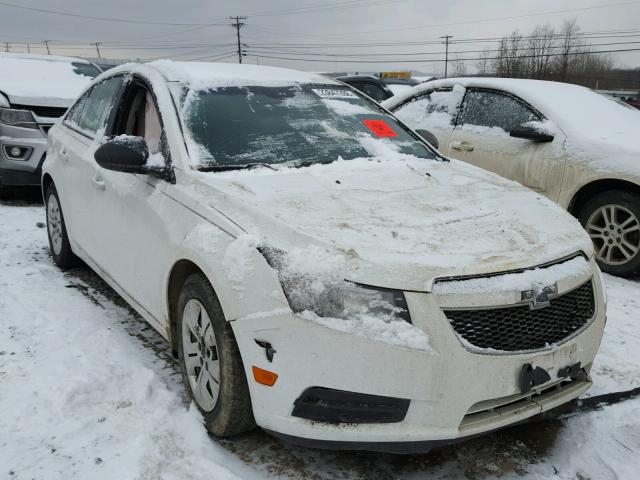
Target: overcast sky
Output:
{"points": [[278, 27]]}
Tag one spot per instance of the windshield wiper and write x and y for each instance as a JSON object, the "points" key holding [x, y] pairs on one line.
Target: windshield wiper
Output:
{"points": [[225, 168]]}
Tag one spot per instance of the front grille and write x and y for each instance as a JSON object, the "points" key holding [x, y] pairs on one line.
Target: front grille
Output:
{"points": [[51, 112], [519, 327]]}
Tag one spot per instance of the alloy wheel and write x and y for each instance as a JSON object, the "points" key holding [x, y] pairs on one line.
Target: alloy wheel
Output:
{"points": [[200, 351], [615, 232], [54, 224]]}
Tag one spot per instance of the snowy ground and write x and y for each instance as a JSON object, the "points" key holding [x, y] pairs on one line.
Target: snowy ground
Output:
{"points": [[88, 391]]}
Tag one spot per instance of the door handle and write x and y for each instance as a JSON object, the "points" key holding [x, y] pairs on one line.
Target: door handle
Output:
{"points": [[464, 146], [98, 182]]}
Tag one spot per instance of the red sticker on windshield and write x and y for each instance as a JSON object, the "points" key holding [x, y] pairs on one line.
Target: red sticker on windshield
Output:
{"points": [[380, 128]]}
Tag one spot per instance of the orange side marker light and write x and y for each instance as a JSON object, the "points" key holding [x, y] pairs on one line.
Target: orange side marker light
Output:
{"points": [[265, 377]]}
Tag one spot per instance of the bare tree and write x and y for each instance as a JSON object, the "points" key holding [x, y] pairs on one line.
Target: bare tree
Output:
{"points": [[459, 67], [568, 41], [484, 63], [539, 48]]}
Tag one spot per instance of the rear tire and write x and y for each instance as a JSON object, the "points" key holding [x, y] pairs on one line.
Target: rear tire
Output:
{"points": [[612, 220], [210, 361], [57, 232]]}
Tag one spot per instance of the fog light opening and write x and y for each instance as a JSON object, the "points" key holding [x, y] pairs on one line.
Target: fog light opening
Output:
{"points": [[17, 152]]}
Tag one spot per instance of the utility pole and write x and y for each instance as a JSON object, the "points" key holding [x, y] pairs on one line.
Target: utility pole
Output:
{"points": [[97, 44], [238, 25], [446, 52], [46, 42], [6, 46]]}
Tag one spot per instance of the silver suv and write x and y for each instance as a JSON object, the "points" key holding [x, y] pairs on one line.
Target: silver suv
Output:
{"points": [[35, 90]]}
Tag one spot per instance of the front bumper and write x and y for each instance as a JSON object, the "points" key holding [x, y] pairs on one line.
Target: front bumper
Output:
{"points": [[454, 393], [21, 172]]}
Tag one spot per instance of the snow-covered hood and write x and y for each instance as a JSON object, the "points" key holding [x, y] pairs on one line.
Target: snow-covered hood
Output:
{"points": [[401, 224], [40, 82]]}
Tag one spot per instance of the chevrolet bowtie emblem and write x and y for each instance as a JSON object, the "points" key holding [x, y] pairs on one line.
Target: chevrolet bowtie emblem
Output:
{"points": [[539, 297]]}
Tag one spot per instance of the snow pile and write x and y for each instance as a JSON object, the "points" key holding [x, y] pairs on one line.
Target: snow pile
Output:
{"points": [[533, 279], [411, 218], [313, 280], [41, 80], [237, 258], [81, 396], [344, 108]]}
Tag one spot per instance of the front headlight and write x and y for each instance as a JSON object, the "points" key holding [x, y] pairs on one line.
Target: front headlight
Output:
{"points": [[332, 297], [17, 118]]}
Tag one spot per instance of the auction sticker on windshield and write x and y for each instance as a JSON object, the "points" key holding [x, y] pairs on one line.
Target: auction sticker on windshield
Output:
{"points": [[380, 128], [333, 93]]}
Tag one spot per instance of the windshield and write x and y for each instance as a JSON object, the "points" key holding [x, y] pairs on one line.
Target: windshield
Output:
{"points": [[85, 69], [296, 125]]}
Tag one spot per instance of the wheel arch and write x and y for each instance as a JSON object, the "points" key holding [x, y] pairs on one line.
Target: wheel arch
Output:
{"points": [[590, 189], [46, 181], [180, 271]]}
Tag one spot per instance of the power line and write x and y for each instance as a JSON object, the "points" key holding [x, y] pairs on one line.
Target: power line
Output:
{"points": [[468, 22], [252, 53], [103, 19]]}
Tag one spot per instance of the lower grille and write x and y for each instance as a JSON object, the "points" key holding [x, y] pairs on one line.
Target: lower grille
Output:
{"points": [[51, 112], [339, 406], [520, 328]]}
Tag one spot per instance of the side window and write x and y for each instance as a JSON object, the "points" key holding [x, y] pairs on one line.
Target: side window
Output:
{"points": [[494, 109], [371, 89], [435, 109], [73, 117], [140, 118], [96, 109]]}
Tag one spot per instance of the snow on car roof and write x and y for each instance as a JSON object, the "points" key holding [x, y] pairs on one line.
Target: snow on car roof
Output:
{"points": [[575, 108], [44, 80], [200, 75]]}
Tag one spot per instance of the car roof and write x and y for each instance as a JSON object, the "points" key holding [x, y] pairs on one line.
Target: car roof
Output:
{"points": [[212, 74]]}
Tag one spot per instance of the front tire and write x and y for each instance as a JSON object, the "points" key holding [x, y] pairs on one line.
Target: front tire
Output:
{"points": [[612, 220], [57, 232], [210, 361]]}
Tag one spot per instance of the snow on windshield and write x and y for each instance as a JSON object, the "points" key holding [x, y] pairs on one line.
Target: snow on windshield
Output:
{"points": [[299, 125]]}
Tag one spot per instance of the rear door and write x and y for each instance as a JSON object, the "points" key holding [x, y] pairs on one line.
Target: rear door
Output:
{"points": [[434, 111], [82, 134], [481, 137]]}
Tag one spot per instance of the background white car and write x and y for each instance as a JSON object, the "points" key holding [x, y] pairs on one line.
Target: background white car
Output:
{"points": [[565, 141], [319, 270], [35, 90]]}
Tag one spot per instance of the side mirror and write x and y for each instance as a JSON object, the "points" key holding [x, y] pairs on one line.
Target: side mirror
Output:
{"points": [[123, 154], [429, 138], [532, 131]]}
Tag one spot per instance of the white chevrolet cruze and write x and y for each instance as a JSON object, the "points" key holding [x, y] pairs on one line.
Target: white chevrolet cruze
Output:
{"points": [[319, 270]]}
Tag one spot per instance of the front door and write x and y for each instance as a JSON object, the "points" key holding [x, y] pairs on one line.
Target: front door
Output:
{"points": [[135, 236], [481, 137]]}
